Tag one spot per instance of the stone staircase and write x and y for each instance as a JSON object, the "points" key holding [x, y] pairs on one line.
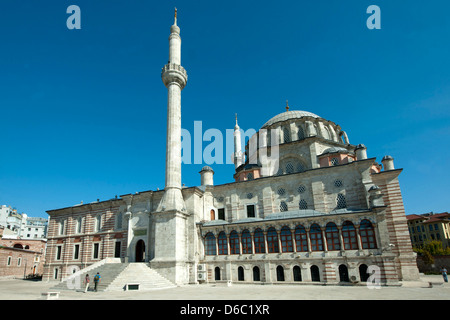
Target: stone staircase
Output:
{"points": [[142, 274], [115, 277]]}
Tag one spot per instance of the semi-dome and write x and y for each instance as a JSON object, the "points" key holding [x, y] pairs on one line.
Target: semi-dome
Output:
{"points": [[294, 114]]}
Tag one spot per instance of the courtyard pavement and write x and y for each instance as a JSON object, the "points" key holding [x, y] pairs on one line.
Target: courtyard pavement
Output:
{"points": [[15, 289]]}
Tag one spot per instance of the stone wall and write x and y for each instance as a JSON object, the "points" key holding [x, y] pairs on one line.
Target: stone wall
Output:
{"points": [[439, 261]]}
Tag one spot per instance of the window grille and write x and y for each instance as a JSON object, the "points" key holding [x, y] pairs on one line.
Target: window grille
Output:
{"points": [[301, 133], [303, 205], [283, 206], [341, 202], [287, 134], [338, 183], [289, 168]]}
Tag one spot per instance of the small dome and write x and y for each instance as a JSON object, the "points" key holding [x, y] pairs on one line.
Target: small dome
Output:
{"points": [[334, 150], [206, 168], [295, 114]]}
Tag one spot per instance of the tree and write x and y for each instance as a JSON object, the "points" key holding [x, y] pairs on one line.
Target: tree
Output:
{"points": [[430, 249]]}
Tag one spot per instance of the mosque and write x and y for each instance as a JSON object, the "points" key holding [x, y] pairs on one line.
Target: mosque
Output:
{"points": [[321, 211]]}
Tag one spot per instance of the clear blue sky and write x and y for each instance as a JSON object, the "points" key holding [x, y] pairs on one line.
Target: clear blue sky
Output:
{"points": [[83, 112]]}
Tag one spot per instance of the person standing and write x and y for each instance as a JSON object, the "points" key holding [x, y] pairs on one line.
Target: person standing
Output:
{"points": [[86, 283], [444, 273], [97, 279]]}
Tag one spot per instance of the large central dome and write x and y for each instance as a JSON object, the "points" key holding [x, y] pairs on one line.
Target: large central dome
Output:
{"points": [[295, 114]]}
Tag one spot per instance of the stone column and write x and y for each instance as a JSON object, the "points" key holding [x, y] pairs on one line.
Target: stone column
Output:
{"points": [[280, 248], [324, 241], [308, 240]]}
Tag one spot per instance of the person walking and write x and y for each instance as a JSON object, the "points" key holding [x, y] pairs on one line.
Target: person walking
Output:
{"points": [[97, 279], [444, 273], [86, 283]]}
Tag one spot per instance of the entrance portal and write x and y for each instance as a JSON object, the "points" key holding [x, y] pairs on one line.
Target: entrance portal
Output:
{"points": [[140, 251]]}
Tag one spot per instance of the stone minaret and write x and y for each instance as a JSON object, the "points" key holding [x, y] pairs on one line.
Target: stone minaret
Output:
{"points": [[168, 224], [174, 77], [238, 156]]}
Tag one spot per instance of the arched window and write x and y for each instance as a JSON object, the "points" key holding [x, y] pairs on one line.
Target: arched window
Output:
{"points": [[272, 241], [98, 223], [303, 205], [259, 241], [78, 225], [315, 274], [210, 244], [297, 273], [343, 273], [18, 246], [332, 235], [234, 242], [240, 274], [289, 168], [280, 273], [363, 274], [222, 243], [283, 206], [213, 214], [301, 133], [301, 239], [61, 227], [286, 239], [349, 236], [286, 134], [341, 203], [246, 242], [367, 234], [217, 273], [315, 235], [334, 161], [119, 221], [256, 274]]}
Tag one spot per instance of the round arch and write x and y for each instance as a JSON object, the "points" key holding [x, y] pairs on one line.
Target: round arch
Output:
{"points": [[140, 251]]}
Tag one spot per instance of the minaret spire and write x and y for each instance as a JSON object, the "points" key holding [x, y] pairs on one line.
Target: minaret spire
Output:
{"points": [[175, 19]]}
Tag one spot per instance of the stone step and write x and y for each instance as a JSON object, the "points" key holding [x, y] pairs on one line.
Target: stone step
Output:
{"points": [[142, 274], [115, 276], [108, 273]]}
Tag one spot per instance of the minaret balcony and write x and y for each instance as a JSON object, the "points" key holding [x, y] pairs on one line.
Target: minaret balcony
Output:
{"points": [[172, 72]]}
